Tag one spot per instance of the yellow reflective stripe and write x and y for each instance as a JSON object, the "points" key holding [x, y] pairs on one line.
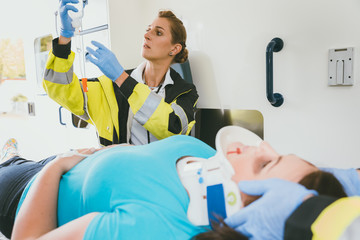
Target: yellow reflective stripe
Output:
{"points": [[138, 97], [190, 126], [334, 220], [182, 94], [195, 102]]}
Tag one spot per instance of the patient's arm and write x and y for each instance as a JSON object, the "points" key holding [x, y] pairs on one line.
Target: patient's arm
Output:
{"points": [[37, 218]]}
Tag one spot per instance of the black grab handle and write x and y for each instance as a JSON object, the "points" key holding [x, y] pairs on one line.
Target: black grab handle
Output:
{"points": [[275, 45], [60, 116]]}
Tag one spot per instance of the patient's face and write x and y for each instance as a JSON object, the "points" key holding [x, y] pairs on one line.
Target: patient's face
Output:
{"points": [[263, 162]]}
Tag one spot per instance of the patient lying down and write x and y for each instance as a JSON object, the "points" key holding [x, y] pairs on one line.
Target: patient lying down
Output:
{"points": [[135, 192]]}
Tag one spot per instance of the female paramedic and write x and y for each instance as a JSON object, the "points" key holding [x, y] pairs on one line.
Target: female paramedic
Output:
{"points": [[137, 106], [136, 192]]}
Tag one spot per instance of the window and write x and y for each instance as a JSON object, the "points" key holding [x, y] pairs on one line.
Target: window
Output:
{"points": [[12, 76], [12, 63]]}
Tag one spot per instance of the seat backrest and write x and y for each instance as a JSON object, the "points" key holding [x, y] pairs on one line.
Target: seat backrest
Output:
{"points": [[184, 70]]}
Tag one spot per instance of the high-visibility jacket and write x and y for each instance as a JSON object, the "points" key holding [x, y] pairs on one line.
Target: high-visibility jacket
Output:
{"points": [[111, 108], [325, 218]]}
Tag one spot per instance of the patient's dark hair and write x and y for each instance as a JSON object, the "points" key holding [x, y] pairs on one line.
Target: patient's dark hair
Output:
{"points": [[323, 182]]}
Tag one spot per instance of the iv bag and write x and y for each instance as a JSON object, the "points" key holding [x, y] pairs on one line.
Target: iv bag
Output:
{"points": [[77, 16]]}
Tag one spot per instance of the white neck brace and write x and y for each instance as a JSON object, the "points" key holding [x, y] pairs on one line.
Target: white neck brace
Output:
{"points": [[211, 190]]}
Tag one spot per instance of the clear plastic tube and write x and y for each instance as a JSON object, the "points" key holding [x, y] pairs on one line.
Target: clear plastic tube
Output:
{"points": [[73, 153], [77, 24], [79, 45]]}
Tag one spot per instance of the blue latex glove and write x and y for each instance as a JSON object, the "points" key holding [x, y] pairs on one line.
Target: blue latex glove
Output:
{"points": [[349, 179], [66, 28], [265, 218], [105, 60]]}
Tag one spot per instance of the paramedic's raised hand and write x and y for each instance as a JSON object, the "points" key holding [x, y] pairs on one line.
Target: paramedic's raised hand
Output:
{"points": [[66, 29], [265, 218], [105, 60]]}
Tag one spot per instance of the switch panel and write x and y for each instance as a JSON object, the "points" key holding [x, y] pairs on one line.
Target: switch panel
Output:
{"points": [[341, 67]]}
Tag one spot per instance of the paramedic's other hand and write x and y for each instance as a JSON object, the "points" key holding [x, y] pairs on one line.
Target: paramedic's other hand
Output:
{"points": [[105, 60], [66, 29], [349, 179], [265, 218]]}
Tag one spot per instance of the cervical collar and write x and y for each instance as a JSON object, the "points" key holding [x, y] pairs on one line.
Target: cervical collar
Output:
{"points": [[211, 191]]}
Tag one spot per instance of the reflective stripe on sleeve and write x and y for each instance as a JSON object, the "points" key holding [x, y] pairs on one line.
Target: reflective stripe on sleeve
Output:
{"points": [[59, 77], [182, 115], [148, 108], [85, 116]]}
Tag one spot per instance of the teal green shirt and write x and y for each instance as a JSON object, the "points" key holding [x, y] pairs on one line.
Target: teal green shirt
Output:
{"points": [[136, 189]]}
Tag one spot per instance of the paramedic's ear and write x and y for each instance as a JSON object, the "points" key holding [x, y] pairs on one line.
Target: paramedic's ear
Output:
{"points": [[266, 216], [176, 49]]}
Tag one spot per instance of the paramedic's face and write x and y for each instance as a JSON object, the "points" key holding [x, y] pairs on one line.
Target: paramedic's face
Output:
{"points": [[263, 162], [157, 40]]}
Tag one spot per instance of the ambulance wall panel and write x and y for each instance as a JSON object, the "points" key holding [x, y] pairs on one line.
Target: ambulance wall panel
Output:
{"points": [[227, 41]]}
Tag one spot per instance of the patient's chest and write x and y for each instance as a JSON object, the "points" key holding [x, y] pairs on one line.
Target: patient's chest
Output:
{"points": [[115, 179]]}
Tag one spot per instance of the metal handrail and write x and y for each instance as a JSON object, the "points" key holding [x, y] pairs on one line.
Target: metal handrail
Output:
{"points": [[60, 116], [275, 45]]}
